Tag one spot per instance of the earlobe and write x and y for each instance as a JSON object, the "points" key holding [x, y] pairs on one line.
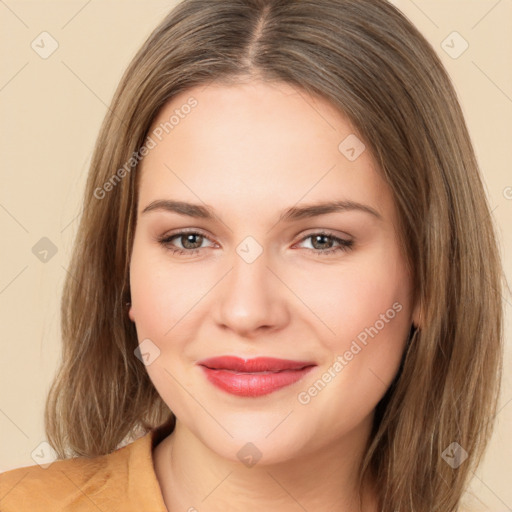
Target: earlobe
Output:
{"points": [[130, 312]]}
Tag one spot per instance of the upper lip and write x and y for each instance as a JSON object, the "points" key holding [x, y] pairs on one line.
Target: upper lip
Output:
{"points": [[257, 364]]}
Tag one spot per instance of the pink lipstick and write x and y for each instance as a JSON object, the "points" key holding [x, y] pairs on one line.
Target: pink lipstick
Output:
{"points": [[253, 377]]}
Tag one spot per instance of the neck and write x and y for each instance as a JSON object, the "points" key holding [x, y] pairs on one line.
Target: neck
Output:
{"points": [[194, 478]]}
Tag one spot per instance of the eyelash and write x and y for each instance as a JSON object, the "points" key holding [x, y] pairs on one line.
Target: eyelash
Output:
{"points": [[344, 245]]}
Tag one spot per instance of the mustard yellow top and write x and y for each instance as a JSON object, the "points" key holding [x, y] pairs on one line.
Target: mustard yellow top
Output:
{"points": [[122, 481]]}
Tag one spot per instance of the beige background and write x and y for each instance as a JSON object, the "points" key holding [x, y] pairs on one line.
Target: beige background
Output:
{"points": [[51, 112]]}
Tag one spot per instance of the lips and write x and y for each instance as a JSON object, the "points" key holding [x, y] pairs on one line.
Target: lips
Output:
{"points": [[258, 364], [253, 377]]}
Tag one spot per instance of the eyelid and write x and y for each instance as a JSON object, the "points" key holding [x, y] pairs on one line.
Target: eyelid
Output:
{"points": [[303, 235], [343, 244], [178, 231], [181, 231], [325, 231]]}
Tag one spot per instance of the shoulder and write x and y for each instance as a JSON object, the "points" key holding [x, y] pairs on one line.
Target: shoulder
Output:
{"points": [[81, 483], [62, 480]]}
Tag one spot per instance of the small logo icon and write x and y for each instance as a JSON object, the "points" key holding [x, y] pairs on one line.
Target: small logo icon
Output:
{"points": [[44, 454], [147, 351], [351, 147], [454, 455], [44, 250], [249, 249], [44, 45], [249, 454], [454, 45]]}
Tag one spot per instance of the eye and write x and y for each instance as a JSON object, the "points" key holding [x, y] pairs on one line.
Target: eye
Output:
{"points": [[321, 239], [191, 242]]}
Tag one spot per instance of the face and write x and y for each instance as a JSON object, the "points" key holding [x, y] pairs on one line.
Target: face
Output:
{"points": [[255, 272]]}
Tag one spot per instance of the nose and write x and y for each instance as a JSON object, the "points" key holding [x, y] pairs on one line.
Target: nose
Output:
{"points": [[251, 298]]}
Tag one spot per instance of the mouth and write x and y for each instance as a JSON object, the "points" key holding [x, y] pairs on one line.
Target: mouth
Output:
{"points": [[253, 377]]}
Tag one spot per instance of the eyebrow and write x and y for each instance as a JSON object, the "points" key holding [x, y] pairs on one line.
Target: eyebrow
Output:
{"points": [[291, 214]]}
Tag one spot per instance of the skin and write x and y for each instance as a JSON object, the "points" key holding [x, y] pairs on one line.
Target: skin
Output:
{"points": [[250, 151]]}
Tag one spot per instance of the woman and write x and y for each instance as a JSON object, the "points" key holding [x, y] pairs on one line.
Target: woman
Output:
{"points": [[264, 369]]}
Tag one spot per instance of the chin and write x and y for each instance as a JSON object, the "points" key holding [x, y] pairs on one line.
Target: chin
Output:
{"points": [[259, 443]]}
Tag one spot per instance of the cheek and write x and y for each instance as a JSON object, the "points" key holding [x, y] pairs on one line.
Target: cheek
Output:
{"points": [[149, 300], [162, 293], [161, 298], [374, 324], [369, 311], [352, 298], [378, 298]]}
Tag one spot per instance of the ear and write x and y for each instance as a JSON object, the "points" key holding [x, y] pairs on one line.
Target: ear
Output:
{"points": [[130, 314]]}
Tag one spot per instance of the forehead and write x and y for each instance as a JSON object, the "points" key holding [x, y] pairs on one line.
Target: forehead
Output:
{"points": [[257, 143]]}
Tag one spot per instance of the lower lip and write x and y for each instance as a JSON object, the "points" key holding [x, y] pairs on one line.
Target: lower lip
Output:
{"points": [[253, 384]]}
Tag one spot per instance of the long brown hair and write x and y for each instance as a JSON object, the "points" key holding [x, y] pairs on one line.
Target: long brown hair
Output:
{"points": [[369, 61]]}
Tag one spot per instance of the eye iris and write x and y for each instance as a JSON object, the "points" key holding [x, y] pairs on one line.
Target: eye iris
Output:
{"points": [[188, 238], [324, 237]]}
